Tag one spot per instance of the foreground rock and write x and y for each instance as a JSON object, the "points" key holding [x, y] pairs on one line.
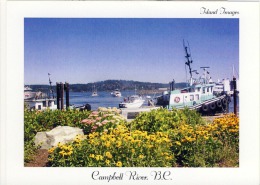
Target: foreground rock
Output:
{"points": [[62, 134]]}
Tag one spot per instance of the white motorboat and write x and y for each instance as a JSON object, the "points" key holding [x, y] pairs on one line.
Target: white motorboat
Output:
{"points": [[116, 93], [133, 101]]}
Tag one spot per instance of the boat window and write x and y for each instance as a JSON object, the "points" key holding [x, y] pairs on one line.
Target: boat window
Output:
{"points": [[208, 89], [191, 97], [203, 90]]}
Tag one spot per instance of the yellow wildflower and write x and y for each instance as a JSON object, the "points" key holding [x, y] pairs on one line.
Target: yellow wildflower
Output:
{"points": [[99, 157], [119, 164], [109, 155], [107, 144], [51, 150], [118, 144], [107, 162]]}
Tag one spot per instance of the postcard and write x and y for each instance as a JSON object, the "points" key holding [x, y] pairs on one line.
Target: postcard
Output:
{"points": [[135, 92]]}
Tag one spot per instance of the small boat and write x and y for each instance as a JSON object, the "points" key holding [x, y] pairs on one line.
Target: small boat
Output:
{"points": [[116, 93], [133, 101], [94, 91]]}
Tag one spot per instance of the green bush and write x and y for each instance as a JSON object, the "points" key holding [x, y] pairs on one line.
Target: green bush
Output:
{"points": [[162, 120], [89, 121]]}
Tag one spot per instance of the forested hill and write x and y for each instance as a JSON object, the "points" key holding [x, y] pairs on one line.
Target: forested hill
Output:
{"points": [[110, 85]]}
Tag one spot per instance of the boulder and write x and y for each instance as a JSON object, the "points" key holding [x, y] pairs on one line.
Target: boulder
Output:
{"points": [[62, 134]]}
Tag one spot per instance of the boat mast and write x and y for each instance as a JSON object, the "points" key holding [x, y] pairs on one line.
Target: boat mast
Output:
{"points": [[50, 82], [189, 59]]}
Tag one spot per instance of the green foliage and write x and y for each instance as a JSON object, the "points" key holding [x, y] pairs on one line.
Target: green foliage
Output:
{"points": [[195, 143], [38, 121], [158, 138], [162, 120]]}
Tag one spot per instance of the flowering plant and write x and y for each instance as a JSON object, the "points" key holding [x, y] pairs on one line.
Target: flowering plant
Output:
{"points": [[102, 120], [117, 148]]}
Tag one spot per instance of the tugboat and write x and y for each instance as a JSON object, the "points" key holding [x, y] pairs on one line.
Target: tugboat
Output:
{"points": [[197, 95]]}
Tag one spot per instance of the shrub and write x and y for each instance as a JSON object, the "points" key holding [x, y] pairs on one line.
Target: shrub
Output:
{"points": [[162, 120], [207, 145]]}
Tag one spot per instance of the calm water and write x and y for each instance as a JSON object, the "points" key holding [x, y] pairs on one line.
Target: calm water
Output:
{"points": [[105, 99]]}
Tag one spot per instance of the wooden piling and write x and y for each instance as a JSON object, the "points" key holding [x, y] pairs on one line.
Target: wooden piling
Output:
{"points": [[235, 95], [58, 94], [66, 87], [61, 95]]}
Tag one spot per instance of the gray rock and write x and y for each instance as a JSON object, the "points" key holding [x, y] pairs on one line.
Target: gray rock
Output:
{"points": [[41, 139], [62, 134]]}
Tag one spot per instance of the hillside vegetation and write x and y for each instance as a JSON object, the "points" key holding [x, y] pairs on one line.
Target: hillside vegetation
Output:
{"points": [[110, 85]]}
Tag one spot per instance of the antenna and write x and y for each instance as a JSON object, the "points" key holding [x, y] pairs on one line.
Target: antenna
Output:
{"points": [[205, 72], [195, 71]]}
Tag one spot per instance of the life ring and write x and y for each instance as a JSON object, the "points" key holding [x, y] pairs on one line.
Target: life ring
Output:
{"points": [[212, 106], [205, 107], [219, 104], [177, 99]]}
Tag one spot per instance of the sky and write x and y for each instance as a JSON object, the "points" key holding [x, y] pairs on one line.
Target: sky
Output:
{"points": [[86, 50]]}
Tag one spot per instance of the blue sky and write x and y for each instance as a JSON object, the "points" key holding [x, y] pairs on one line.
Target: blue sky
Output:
{"points": [[79, 50]]}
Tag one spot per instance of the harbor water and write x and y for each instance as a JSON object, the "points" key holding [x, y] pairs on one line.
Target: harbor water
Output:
{"points": [[105, 99]]}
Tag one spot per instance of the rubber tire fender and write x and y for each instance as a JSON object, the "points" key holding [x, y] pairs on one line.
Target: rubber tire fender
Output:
{"points": [[219, 104], [212, 106], [224, 101], [205, 107]]}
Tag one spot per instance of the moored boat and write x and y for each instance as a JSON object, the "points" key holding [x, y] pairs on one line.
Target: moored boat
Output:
{"points": [[133, 101], [197, 95], [94, 91], [116, 93]]}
